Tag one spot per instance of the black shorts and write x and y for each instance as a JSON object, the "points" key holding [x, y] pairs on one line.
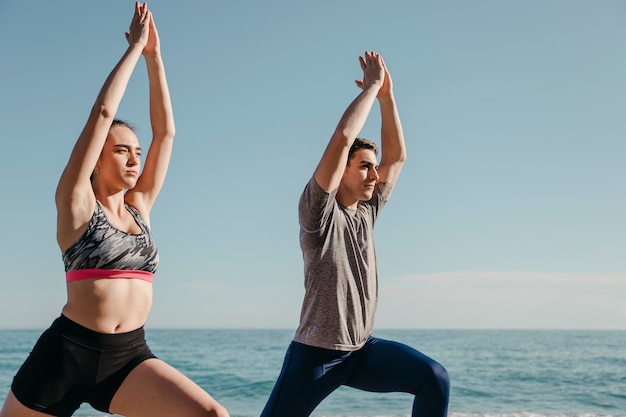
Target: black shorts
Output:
{"points": [[71, 364]]}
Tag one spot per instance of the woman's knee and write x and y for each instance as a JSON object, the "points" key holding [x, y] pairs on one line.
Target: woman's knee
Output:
{"points": [[219, 411]]}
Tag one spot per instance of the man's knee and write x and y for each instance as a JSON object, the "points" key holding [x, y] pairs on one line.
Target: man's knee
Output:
{"points": [[441, 380]]}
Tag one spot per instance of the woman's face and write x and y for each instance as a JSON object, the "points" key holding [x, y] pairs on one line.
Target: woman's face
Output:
{"points": [[119, 165]]}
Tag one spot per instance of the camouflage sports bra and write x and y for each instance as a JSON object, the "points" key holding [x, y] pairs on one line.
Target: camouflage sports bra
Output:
{"points": [[106, 252]]}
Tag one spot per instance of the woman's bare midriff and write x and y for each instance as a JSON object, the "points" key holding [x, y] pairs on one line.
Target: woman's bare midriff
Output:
{"points": [[107, 305]]}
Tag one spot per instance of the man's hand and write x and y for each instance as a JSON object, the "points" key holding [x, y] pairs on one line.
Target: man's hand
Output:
{"points": [[373, 71], [387, 88]]}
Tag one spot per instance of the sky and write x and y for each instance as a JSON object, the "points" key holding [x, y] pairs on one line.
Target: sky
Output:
{"points": [[510, 211]]}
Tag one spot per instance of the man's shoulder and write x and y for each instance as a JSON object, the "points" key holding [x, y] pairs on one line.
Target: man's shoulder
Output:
{"points": [[385, 189]]}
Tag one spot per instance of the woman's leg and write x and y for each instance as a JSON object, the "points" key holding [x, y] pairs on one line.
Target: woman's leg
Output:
{"points": [[387, 366], [13, 408], [156, 389]]}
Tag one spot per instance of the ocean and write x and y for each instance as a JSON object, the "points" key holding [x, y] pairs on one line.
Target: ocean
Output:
{"points": [[494, 373]]}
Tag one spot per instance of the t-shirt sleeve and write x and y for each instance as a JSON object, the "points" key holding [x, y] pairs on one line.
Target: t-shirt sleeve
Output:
{"points": [[315, 206], [380, 198]]}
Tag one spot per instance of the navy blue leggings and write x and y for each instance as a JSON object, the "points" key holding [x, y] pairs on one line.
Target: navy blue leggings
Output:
{"points": [[310, 374]]}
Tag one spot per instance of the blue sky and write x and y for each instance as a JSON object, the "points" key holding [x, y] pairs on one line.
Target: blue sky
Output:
{"points": [[510, 211]]}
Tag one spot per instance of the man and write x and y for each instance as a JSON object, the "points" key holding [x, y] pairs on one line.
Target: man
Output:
{"points": [[333, 344]]}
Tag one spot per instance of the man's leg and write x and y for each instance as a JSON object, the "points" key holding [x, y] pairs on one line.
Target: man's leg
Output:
{"points": [[387, 366], [308, 376]]}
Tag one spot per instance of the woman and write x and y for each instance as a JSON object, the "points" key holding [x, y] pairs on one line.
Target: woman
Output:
{"points": [[95, 351]]}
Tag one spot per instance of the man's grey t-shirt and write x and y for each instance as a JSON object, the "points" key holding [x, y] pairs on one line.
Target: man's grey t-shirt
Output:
{"points": [[340, 273]]}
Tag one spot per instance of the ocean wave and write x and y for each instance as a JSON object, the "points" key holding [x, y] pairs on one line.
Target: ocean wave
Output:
{"points": [[521, 414], [529, 414]]}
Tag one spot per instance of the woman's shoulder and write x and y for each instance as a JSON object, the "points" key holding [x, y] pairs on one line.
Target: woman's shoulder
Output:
{"points": [[137, 208]]}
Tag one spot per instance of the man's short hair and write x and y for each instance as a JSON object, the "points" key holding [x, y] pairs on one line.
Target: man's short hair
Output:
{"points": [[360, 143]]}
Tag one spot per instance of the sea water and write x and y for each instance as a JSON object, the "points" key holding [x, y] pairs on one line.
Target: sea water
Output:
{"points": [[507, 373]]}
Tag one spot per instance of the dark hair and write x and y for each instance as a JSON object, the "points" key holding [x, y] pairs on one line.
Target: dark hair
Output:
{"points": [[119, 122], [360, 143]]}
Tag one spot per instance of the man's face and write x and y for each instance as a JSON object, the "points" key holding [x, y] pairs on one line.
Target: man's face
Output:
{"points": [[360, 175]]}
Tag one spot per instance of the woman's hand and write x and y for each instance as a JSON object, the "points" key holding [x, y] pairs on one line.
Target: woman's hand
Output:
{"points": [[153, 46], [139, 30]]}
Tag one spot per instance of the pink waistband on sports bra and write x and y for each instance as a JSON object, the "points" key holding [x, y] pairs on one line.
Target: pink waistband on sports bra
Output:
{"points": [[80, 274]]}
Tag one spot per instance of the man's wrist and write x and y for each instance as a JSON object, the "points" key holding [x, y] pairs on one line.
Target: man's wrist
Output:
{"points": [[152, 55], [386, 96]]}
